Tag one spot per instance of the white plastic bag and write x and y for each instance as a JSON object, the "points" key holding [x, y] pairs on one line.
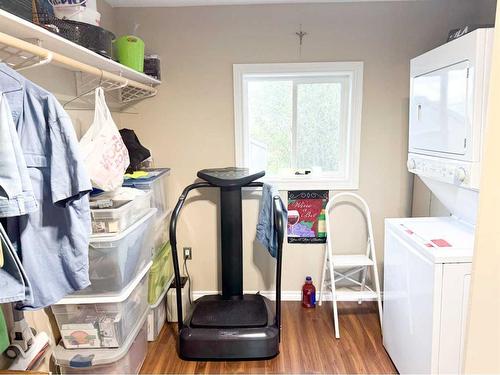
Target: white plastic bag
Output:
{"points": [[104, 152]]}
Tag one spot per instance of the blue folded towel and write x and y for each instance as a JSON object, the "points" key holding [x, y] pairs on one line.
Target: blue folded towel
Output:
{"points": [[266, 234]]}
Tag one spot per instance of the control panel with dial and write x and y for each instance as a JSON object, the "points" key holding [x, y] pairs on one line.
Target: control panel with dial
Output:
{"points": [[454, 172]]}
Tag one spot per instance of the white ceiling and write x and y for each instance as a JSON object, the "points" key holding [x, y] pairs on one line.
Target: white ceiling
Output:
{"points": [[184, 3]]}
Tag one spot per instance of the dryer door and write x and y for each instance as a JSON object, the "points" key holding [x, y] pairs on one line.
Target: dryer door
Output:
{"points": [[440, 122]]}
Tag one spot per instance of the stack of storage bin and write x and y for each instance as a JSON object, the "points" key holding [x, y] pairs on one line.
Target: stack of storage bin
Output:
{"points": [[104, 327], [162, 270]]}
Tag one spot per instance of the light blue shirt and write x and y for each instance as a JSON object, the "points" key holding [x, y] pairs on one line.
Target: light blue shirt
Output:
{"points": [[16, 193], [53, 241]]}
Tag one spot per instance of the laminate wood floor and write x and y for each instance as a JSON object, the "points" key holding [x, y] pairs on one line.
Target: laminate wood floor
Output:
{"points": [[308, 345]]}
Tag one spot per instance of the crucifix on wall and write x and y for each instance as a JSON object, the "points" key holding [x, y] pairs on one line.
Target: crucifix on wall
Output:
{"points": [[300, 34]]}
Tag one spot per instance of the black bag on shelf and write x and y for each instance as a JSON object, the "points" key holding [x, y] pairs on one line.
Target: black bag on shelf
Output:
{"points": [[136, 152], [21, 8]]}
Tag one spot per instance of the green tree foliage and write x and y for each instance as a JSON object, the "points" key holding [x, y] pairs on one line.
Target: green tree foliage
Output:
{"points": [[270, 114]]}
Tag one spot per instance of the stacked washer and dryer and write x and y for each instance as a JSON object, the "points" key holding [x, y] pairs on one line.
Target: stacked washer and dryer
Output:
{"points": [[427, 265]]}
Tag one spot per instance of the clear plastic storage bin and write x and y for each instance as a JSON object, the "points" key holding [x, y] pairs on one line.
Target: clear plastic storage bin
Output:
{"points": [[161, 274], [156, 181], [125, 360], [102, 321], [162, 232], [157, 316], [120, 215], [116, 260]]}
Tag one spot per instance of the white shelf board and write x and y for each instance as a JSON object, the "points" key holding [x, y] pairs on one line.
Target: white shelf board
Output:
{"points": [[22, 29]]}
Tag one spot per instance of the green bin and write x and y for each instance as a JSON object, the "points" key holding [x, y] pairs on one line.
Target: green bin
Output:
{"points": [[129, 51], [160, 273], [4, 333]]}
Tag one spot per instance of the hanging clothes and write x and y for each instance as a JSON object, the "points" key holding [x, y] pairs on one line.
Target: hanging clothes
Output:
{"points": [[16, 193], [52, 242], [266, 233], [16, 198]]}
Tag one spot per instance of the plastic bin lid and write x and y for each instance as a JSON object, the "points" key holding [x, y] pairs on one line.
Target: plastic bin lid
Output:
{"points": [[121, 194], [118, 204], [115, 205], [108, 237], [85, 358], [106, 298], [154, 174], [163, 294]]}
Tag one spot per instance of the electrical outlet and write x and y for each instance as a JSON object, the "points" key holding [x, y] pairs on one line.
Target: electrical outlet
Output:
{"points": [[188, 253]]}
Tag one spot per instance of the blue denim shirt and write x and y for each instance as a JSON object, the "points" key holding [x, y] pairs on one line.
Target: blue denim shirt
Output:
{"points": [[53, 241], [266, 234], [16, 193]]}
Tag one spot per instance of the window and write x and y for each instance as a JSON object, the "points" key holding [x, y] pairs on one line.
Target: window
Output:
{"points": [[300, 122]]}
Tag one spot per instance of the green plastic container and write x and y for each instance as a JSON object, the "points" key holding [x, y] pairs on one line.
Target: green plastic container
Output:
{"points": [[129, 51], [4, 333], [160, 273]]}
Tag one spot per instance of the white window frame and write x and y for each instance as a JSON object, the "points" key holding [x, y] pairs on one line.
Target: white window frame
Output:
{"points": [[348, 179]]}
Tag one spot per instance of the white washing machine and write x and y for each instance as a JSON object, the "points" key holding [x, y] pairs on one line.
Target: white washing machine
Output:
{"points": [[427, 269]]}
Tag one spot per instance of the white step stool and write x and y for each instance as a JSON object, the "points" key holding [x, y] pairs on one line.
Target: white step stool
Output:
{"points": [[350, 264]]}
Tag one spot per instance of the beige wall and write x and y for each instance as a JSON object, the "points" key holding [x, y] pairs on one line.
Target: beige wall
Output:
{"points": [[483, 336], [424, 202], [189, 125], [107, 15]]}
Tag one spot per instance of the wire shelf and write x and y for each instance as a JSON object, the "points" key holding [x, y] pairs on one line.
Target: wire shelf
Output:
{"points": [[16, 58], [125, 94], [130, 94], [24, 45]]}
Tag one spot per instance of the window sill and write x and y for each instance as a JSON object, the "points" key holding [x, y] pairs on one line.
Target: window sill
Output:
{"points": [[312, 183]]}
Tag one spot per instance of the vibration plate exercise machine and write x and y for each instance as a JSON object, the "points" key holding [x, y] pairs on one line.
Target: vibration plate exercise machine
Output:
{"points": [[231, 325]]}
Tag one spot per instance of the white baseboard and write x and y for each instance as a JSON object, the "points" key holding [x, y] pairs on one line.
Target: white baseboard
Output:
{"points": [[286, 295]]}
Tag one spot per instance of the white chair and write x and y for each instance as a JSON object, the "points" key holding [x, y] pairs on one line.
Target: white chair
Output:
{"points": [[350, 264]]}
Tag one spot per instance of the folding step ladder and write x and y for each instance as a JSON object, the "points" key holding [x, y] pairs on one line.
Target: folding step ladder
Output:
{"points": [[351, 265]]}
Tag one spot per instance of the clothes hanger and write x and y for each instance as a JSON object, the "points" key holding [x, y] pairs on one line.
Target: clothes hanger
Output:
{"points": [[125, 84], [86, 92], [15, 79]]}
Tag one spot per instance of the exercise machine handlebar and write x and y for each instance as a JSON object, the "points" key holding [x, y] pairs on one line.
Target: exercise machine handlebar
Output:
{"points": [[279, 226]]}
